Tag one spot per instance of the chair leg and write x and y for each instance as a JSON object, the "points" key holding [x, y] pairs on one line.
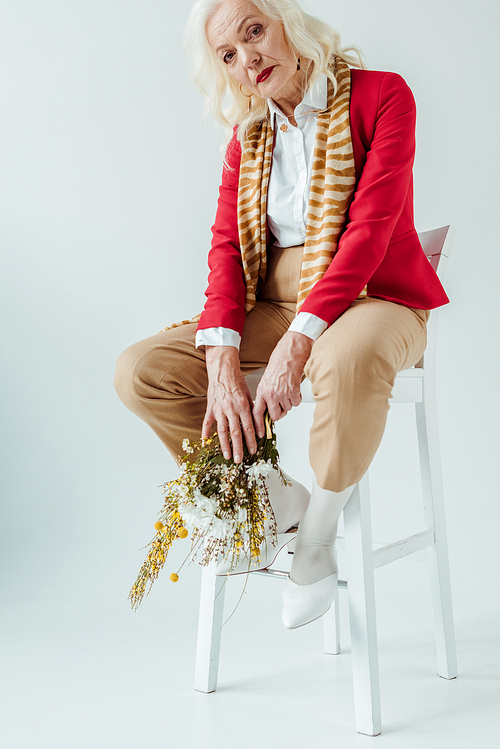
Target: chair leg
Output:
{"points": [[432, 490], [361, 596], [209, 630], [331, 629]]}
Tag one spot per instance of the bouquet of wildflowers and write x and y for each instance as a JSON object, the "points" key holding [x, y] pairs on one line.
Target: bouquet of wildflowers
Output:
{"points": [[225, 503]]}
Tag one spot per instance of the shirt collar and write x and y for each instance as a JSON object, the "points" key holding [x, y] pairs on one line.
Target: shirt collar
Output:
{"points": [[316, 98]]}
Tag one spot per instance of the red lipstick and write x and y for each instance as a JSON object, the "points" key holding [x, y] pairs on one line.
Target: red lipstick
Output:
{"points": [[265, 74]]}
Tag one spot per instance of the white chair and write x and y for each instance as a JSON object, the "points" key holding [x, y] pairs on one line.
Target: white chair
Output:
{"points": [[418, 386]]}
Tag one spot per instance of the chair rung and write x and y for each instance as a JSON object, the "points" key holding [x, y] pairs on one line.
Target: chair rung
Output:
{"points": [[402, 548], [270, 573], [281, 573]]}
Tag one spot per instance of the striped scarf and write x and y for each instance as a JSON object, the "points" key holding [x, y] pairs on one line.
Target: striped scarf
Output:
{"points": [[332, 185]]}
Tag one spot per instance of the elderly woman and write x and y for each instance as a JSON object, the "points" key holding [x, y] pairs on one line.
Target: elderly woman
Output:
{"points": [[315, 267]]}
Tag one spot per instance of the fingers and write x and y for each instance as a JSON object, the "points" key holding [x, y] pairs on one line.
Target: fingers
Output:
{"points": [[207, 423], [223, 432], [276, 411], [279, 388], [277, 403], [235, 424], [237, 427], [258, 415], [248, 426], [275, 408]]}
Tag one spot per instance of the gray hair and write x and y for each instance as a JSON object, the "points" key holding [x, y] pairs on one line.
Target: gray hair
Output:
{"points": [[308, 36]]}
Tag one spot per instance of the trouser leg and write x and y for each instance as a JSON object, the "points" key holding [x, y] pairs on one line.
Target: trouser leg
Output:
{"points": [[163, 379], [352, 369]]}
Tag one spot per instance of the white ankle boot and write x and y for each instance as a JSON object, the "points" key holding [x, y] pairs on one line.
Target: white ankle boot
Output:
{"points": [[310, 590], [289, 504], [305, 603]]}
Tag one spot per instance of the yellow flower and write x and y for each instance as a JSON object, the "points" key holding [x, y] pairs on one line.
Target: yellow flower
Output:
{"points": [[174, 577], [182, 532], [159, 526]]}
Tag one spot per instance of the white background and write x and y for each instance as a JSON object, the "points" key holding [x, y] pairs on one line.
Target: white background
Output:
{"points": [[108, 184]]}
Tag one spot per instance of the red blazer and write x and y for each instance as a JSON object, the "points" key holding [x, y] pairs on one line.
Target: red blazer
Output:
{"points": [[379, 246]]}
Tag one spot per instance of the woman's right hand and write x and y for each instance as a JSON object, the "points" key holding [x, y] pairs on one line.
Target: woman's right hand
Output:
{"points": [[229, 402]]}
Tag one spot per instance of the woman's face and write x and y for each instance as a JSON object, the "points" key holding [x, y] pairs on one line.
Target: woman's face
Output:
{"points": [[253, 48]]}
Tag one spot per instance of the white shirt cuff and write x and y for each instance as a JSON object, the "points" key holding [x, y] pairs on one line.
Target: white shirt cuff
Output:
{"points": [[218, 337], [309, 325]]}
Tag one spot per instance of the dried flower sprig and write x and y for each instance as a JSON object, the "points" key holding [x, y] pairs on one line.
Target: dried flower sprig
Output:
{"points": [[225, 503]]}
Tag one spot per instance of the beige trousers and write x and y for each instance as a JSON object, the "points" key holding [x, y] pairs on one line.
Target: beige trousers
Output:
{"points": [[352, 369]]}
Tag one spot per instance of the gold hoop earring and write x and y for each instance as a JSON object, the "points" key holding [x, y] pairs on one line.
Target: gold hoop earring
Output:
{"points": [[248, 96]]}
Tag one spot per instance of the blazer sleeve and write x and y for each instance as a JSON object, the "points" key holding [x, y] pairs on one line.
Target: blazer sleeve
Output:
{"points": [[378, 201], [225, 305]]}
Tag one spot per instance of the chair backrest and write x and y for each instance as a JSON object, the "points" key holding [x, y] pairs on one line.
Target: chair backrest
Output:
{"points": [[437, 244]]}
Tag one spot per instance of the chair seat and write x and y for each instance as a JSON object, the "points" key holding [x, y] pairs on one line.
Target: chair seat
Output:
{"points": [[407, 387]]}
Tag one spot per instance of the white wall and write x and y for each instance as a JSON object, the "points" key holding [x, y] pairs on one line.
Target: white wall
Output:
{"points": [[108, 182]]}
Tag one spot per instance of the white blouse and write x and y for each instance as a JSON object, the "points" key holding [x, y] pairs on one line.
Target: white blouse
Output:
{"points": [[288, 198]]}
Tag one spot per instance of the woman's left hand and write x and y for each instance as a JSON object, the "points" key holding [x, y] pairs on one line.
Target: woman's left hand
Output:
{"points": [[279, 388]]}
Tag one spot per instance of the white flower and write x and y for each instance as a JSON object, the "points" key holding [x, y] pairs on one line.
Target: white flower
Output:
{"points": [[207, 504], [192, 515], [242, 515], [187, 447], [182, 492], [260, 469], [199, 510], [220, 528]]}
